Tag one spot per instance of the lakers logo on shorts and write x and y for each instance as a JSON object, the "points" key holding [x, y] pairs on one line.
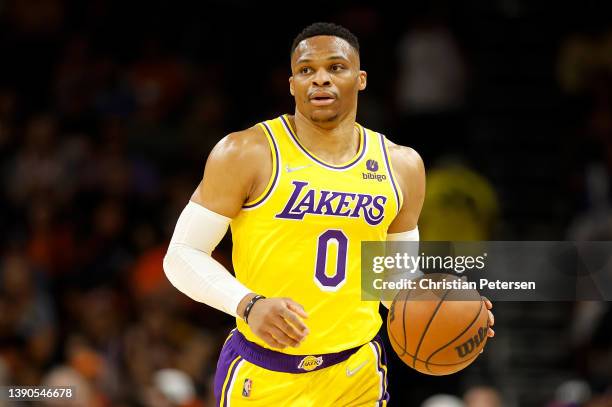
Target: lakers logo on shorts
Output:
{"points": [[310, 363]]}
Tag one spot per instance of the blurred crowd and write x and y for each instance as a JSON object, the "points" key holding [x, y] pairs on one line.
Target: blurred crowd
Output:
{"points": [[107, 115]]}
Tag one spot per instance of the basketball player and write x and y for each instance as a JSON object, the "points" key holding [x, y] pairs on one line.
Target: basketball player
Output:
{"points": [[300, 193]]}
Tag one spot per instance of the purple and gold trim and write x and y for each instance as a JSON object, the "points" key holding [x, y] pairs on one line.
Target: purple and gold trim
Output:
{"points": [[381, 366], [342, 167], [237, 351], [228, 383], [275, 170], [398, 194], [282, 362]]}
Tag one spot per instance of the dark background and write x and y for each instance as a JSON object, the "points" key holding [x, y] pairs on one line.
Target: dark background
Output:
{"points": [[109, 109]]}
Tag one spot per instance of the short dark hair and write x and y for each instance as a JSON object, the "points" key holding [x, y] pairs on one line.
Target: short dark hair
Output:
{"points": [[321, 28]]}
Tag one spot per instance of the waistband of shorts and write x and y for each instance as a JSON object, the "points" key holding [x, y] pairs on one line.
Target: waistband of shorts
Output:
{"points": [[282, 362]]}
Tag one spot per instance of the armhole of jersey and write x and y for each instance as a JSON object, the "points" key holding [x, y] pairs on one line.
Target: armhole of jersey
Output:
{"points": [[399, 196], [275, 171]]}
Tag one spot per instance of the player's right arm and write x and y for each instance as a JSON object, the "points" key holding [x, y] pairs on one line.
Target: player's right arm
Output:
{"points": [[237, 170]]}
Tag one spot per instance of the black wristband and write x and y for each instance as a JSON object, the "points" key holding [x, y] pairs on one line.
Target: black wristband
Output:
{"points": [[247, 309]]}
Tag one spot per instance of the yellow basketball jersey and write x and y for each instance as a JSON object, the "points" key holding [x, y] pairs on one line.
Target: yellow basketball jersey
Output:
{"points": [[301, 238]]}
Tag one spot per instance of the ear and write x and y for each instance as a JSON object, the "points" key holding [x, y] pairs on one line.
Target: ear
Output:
{"points": [[291, 90], [363, 80]]}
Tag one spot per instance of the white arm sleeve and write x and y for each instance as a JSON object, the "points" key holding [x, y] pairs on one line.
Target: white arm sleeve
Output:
{"points": [[409, 236], [191, 269]]}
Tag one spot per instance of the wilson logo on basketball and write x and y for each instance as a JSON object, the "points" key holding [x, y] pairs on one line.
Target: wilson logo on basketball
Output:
{"points": [[310, 363], [474, 342]]}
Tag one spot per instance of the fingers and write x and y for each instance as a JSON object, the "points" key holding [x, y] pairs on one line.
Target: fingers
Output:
{"points": [[282, 337], [277, 321], [289, 330], [491, 332], [276, 338], [270, 340], [290, 324], [297, 308], [299, 327], [488, 303]]}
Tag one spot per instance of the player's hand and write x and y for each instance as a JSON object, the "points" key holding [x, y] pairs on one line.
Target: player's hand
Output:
{"points": [[278, 322], [489, 305]]}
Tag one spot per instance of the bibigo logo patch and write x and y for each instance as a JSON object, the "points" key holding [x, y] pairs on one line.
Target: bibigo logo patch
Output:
{"points": [[372, 165]]}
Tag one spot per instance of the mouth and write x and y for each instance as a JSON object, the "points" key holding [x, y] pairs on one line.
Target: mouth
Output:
{"points": [[322, 98]]}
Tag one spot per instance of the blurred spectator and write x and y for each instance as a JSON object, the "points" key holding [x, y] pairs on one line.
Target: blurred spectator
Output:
{"points": [[600, 401], [592, 343], [73, 83], [8, 107], [52, 243], [148, 278], [460, 204], [36, 18], [584, 72], [158, 81], [204, 124], [27, 317], [583, 57], [443, 400], [571, 393], [38, 167], [482, 396], [84, 395], [596, 222], [432, 72], [589, 328], [172, 388]]}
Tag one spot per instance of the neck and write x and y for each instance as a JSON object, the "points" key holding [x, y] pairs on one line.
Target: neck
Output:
{"points": [[336, 145]]}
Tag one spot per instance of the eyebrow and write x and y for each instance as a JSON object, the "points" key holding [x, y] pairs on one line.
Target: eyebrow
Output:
{"points": [[302, 60]]}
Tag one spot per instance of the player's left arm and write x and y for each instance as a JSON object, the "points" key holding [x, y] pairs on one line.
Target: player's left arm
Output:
{"points": [[410, 173]]}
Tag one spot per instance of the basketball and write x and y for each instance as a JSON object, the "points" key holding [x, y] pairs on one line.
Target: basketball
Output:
{"points": [[438, 331]]}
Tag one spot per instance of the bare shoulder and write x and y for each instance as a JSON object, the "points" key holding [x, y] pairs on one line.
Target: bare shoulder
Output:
{"points": [[406, 161], [241, 146], [235, 170], [410, 171]]}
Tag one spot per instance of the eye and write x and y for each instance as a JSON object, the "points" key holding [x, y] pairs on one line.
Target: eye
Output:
{"points": [[337, 67], [305, 70]]}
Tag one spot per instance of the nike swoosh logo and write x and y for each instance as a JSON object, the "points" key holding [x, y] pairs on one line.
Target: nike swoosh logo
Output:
{"points": [[350, 372], [298, 168]]}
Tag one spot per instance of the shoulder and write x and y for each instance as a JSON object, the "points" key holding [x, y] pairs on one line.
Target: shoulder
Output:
{"points": [[410, 172], [406, 162], [245, 144], [244, 154], [235, 168]]}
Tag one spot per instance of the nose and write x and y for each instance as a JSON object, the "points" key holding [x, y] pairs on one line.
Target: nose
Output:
{"points": [[321, 78]]}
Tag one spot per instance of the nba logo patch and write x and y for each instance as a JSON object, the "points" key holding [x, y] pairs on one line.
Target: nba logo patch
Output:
{"points": [[246, 387]]}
